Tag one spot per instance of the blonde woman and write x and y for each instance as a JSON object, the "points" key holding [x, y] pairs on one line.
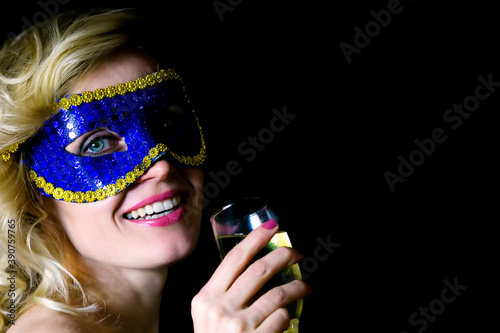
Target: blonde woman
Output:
{"points": [[101, 190]]}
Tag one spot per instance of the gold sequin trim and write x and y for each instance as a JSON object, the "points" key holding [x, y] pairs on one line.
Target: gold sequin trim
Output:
{"points": [[10, 150], [112, 189], [120, 89]]}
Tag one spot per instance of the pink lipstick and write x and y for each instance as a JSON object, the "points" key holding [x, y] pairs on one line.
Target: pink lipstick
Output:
{"points": [[158, 210]]}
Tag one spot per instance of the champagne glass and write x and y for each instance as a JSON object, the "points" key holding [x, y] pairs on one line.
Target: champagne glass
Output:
{"points": [[232, 223]]}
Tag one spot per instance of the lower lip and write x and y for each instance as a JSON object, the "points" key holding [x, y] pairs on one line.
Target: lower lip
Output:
{"points": [[169, 219]]}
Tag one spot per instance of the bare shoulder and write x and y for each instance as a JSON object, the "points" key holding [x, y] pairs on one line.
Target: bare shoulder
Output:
{"points": [[44, 320]]}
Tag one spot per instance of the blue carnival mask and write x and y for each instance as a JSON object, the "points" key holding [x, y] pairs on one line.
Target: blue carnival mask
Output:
{"points": [[102, 141]]}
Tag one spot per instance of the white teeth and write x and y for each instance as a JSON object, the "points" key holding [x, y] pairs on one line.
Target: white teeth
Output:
{"points": [[158, 207], [149, 209], [168, 204], [155, 210]]}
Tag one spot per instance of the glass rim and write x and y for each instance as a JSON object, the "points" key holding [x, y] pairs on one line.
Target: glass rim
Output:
{"points": [[260, 203]]}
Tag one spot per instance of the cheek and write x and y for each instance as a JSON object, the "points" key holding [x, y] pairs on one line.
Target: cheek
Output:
{"points": [[88, 226]]}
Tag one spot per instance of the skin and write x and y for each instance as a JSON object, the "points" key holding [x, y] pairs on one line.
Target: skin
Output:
{"points": [[126, 264]]}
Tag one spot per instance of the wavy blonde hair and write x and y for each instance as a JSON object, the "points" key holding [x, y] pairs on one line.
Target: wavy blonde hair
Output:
{"points": [[36, 68]]}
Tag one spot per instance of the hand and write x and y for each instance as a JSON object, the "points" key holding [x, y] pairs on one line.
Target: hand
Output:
{"points": [[222, 305]]}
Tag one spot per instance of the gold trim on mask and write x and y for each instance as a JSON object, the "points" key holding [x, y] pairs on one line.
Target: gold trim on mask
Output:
{"points": [[120, 89], [10, 150]]}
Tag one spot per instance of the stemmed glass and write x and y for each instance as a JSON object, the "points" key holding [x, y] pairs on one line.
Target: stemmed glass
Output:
{"points": [[232, 223]]}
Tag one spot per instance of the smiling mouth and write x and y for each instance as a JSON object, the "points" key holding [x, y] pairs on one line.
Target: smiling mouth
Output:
{"points": [[155, 210]]}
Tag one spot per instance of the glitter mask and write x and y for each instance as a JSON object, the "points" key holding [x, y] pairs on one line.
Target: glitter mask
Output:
{"points": [[150, 115]]}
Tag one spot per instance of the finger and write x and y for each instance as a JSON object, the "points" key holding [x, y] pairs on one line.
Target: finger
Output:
{"points": [[238, 259], [276, 322], [257, 274], [276, 298]]}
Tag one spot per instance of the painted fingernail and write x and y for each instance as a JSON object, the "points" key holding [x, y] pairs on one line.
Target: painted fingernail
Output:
{"points": [[270, 224]]}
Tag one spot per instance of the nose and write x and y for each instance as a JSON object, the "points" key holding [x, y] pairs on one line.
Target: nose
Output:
{"points": [[160, 169]]}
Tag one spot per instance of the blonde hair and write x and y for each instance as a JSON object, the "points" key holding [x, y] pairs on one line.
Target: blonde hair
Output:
{"points": [[36, 68]]}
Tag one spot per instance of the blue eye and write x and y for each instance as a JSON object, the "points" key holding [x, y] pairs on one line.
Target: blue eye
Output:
{"points": [[98, 145]]}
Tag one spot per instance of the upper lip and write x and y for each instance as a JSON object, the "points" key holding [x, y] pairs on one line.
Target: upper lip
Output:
{"points": [[158, 197]]}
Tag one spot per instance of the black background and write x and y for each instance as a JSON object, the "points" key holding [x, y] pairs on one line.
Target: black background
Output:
{"points": [[325, 171]]}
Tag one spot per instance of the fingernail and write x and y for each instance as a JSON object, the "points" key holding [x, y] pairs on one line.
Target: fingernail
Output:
{"points": [[271, 224]]}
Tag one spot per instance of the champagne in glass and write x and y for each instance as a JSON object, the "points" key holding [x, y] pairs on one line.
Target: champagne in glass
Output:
{"points": [[232, 223]]}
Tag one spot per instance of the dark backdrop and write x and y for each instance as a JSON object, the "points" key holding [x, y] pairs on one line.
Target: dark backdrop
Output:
{"points": [[351, 119]]}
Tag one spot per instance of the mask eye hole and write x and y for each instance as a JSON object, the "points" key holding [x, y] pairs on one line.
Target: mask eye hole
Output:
{"points": [[170, 118], [175, 109], [98, 142]]}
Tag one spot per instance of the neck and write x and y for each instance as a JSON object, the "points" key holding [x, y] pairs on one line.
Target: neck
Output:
{"points": [[130, 298]]}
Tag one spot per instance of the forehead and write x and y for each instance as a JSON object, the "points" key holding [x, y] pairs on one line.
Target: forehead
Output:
{"points": [[119, 67]]}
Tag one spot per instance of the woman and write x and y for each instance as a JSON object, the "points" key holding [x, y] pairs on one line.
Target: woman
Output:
{"points": [[101, 190]]}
